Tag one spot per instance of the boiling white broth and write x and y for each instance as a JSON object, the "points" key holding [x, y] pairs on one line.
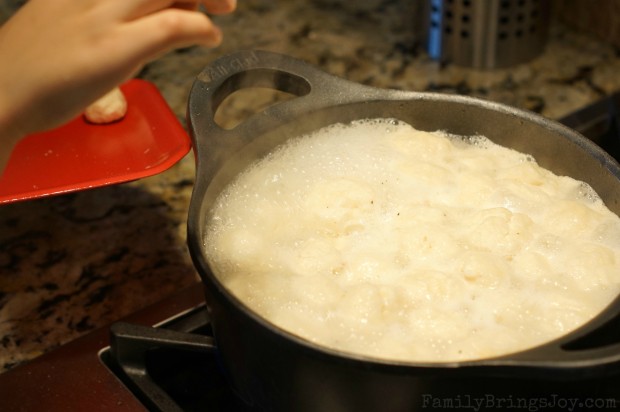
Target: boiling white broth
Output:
{"points": [[378, 239]]}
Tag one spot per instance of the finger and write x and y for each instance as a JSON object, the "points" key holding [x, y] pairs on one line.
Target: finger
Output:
{"points": [[193, 6], [169, 29], [211, 6], [219, 6], [133, 9]]}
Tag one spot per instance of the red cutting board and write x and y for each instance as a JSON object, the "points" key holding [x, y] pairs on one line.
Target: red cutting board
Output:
{"points": [[80, 155]]}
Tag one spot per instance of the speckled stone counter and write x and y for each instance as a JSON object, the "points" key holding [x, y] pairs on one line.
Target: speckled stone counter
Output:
{"points": [[72, 263]]}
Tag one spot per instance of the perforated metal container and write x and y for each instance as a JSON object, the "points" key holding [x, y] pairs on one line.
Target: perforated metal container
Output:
{"points": [[485, 34]]}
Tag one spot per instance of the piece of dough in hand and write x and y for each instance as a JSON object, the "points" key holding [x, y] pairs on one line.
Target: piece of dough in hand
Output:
{"points": [[109, 108]]}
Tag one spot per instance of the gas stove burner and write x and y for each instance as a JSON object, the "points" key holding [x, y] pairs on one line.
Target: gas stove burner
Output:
{"points": [[172, 367]]}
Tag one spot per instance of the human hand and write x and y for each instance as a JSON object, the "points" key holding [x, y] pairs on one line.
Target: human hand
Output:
{"points": [[58, 56]]}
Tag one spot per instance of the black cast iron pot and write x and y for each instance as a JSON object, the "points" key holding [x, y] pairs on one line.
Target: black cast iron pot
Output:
{"points": [[275, 370]]}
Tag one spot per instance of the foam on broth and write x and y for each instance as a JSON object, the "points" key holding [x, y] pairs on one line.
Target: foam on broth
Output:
{"points": [[378, 239]]}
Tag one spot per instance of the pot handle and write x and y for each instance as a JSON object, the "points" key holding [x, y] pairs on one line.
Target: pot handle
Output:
{"points": [[585, 352], [256, 68]]}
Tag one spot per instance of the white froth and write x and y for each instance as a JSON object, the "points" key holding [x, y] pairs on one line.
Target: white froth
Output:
{"points": [[379, 239]]}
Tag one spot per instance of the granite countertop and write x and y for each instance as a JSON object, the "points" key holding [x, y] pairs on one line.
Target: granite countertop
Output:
{"points": [[72, 263]]}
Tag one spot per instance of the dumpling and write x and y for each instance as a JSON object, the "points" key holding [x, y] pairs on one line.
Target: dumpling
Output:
{"points": [[111, 107]]}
